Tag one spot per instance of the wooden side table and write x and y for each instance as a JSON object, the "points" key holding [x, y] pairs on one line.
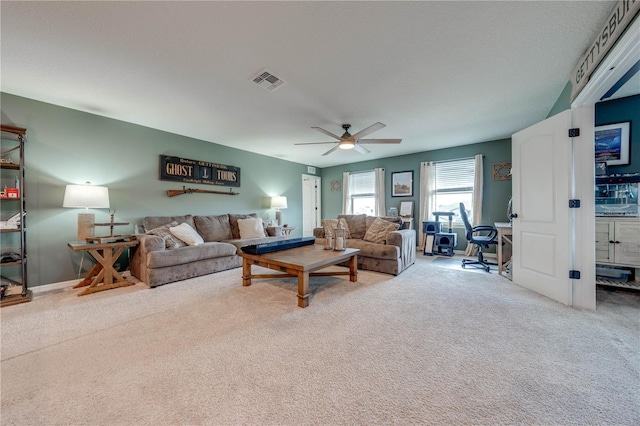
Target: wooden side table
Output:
{"points": [[103, 275]]}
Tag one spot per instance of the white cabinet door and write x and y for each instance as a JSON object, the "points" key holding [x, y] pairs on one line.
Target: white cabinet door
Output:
{"points": [[604, 234], [627, 242]]}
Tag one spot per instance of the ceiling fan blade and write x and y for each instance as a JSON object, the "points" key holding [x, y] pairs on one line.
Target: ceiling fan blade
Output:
{"points": [[313, 143], [372, 141], [327, 133], [361, 149], [368, 130], [331, 150]]}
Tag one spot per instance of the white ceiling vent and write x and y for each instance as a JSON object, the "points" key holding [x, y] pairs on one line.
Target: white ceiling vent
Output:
{"points": [[267, 80]]}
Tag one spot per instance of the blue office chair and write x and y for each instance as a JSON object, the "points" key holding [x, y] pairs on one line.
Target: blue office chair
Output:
{"points": [[484, 240]]}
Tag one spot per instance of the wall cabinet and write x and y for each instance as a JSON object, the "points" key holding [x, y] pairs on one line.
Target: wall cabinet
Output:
{"points": [[13, 261]]}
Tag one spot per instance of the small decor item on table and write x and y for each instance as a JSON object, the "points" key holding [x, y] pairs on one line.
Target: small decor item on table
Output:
{"points": [[340, 238], [328, 241]]}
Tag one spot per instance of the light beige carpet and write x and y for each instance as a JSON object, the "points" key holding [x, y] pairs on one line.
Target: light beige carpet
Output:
{"points": [[431, 346]]}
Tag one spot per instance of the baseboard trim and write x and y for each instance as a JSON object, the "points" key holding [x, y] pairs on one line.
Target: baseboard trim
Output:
{"points": [[53, 286], [61, 285]]}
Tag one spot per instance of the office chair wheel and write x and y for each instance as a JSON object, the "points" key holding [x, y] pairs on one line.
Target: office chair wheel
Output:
{"points": [[488, 269], [462, 264]]}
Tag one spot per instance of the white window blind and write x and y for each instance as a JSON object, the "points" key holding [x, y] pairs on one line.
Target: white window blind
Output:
{"points": [[454, 185], [455, 176], [362, 183], [362, 190]]}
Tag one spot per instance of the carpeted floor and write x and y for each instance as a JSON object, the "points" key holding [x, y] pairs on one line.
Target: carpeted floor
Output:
{"points": [[431, 346], [455, 263]]}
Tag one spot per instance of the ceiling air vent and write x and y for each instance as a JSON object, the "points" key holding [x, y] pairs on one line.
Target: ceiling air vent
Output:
{"points": [[267, 80]]}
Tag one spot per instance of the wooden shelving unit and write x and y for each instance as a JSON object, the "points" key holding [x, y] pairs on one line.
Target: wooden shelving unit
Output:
{"points": [[13, 141]]}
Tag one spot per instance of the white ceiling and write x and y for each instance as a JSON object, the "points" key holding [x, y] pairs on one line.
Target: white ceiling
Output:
{"points": [[438, 74]]}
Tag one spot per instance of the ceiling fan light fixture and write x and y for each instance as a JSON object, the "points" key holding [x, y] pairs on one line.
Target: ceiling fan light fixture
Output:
{"points": [[346, 145]]}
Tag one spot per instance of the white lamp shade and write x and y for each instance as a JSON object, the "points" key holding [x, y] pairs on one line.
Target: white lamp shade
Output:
{"points": [[86, 196], [279, 202]]}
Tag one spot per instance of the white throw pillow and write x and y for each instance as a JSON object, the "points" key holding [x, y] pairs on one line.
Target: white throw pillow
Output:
{"points": [[186, 233], [251, 228]]}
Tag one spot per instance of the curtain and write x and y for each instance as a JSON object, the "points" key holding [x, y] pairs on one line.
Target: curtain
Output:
{"points": [[427, 197], [380, 207], [346, 196], [472, 250]]}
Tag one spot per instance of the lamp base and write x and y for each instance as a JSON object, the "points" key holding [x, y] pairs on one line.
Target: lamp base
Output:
{"points": [[279, 217], [86, 225]]}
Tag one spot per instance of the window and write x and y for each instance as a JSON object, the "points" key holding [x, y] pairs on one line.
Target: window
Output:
{"points": [[454, 185], [362, 192]]}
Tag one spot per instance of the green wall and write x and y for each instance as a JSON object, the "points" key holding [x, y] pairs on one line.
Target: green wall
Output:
{"points": [[66, 146], [563, 102], [496, 193]]}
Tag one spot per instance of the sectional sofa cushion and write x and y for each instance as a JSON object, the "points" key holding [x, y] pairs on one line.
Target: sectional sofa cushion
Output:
{"points": [[189, 254], [357, 224], [214, 228], [151, 222], [330, 225]]}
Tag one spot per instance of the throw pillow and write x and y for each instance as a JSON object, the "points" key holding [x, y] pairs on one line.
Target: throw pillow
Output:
{"points": [[251, 228], [329, 226], [187, 234], [170, 240], [233, 223], [377, 232]]}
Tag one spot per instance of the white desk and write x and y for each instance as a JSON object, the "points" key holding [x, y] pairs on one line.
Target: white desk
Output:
{"points": [[505, 233]]}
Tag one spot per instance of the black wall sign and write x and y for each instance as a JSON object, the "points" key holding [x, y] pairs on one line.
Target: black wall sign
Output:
{"points": [[193, 171]]}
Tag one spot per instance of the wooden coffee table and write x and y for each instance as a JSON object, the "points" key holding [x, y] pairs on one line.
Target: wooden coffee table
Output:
{"points": [[301, 262]]}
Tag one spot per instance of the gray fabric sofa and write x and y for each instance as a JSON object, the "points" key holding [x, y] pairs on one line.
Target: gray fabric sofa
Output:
{"points": [[154, 264], [395, 256]]}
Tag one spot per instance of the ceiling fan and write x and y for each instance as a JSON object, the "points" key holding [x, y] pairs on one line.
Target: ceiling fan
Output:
{"points": [[349, 141]]}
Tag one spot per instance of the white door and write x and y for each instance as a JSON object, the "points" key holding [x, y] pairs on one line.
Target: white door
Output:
{"points": [[310, 204], [541, 156]]}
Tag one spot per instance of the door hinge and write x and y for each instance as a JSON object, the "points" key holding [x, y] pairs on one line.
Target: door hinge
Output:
{"points": [[574, 204], [574, 133], [574, 275]]}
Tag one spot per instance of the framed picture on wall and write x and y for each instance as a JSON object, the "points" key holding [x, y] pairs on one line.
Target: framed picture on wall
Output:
{"points": [[612, 144], [406, 208], [402, 184]]}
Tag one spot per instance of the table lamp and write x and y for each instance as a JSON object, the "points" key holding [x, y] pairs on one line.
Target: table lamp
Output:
{"points": [[87, 197], [279, 202]]}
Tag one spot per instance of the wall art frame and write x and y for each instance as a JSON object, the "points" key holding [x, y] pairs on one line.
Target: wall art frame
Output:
{"points": [[402, 184], [612, 143], [501, 171]]}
